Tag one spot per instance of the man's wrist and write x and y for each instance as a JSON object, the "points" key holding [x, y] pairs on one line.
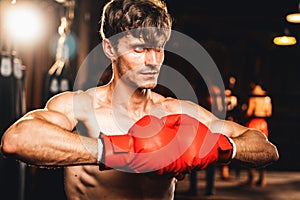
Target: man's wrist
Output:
{"points": [[227, 149]]}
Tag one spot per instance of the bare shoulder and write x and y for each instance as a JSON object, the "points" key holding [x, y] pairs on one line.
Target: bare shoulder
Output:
{"points": [[62, 102], [176, 106], [171, 105], [58, 110], [168, 104]]}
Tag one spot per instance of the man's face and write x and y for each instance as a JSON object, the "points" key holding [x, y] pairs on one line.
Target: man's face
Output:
{"points": [[138, 62]]}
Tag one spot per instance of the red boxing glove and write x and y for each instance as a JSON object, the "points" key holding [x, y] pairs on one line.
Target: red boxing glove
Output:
{"points": [[172, 145]]}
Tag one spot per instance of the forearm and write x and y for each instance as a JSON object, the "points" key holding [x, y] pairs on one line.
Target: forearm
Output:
{"points": [[38, 143], [254, 150]]}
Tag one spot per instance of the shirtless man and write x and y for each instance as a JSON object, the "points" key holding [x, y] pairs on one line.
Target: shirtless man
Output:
{"points": [[259, 109], [47, 137]]}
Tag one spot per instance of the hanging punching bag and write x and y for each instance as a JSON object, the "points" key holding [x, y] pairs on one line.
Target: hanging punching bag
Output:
{"points": [[12, 106]]}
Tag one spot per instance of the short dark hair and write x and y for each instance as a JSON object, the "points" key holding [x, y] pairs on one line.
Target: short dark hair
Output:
{"points": [[121, 16]]}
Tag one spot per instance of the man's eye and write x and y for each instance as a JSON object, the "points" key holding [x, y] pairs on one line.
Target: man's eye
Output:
{"points": [[139, 48]]}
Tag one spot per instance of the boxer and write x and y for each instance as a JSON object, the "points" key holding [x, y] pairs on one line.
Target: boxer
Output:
{"points": [[106, 158]]}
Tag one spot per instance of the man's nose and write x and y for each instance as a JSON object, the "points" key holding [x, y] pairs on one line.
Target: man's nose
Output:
{"points": [[153, 57]]}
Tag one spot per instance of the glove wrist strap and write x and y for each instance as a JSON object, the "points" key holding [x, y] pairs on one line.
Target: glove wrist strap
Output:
{"points": [[233, 148], [100, 151]]}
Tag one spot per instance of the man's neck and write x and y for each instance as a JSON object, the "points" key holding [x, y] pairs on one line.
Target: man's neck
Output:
{"points": [[134, 101]]}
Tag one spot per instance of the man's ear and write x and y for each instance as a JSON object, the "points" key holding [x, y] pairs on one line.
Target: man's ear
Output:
{"points": [[108, 48]]}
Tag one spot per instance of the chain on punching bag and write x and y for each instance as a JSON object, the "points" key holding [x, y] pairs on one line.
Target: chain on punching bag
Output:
{"points": [[58, 79]]}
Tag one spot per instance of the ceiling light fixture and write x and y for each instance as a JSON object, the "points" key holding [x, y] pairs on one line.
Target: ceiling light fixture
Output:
{"points": [[285, 40], [294, 17]]}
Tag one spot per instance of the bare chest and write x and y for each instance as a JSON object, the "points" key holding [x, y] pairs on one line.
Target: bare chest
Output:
{"points": [[116, 120]]}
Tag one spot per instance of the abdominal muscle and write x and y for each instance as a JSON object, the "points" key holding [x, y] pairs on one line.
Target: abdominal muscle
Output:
{"points": [[88, 183]]}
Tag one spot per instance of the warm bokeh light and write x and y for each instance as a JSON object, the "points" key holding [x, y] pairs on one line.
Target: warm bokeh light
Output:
{"points": [[284, 40], [293, 18], [24, 23]]}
